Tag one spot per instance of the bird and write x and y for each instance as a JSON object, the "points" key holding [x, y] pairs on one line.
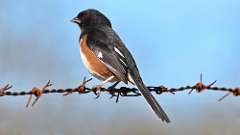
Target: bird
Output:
{"points": [[107, 58]]}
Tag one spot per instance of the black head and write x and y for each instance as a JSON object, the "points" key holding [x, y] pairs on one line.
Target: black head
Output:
{"points": [[91, 18]]}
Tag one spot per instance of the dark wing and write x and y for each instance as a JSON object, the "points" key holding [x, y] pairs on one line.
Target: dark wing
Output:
{"points": [[103, 48], [134, 73]]}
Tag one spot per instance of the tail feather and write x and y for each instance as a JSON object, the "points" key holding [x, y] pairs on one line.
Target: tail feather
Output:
{"points": [[151, 100]]}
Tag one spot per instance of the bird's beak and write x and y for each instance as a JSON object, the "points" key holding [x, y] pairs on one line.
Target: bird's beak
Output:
{"points": [[75, 20]]}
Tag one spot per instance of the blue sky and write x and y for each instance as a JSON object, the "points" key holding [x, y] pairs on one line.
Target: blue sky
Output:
{"points": [[172, 41]]}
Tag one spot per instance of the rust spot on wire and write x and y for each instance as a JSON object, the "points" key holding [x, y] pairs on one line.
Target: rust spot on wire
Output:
{"points": [[37, 93], [235, 92], [4, 89], [80, 89], [200, 86]]}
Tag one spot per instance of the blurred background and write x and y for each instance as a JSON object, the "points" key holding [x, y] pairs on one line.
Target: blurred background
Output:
{"points": [[172, 41]]}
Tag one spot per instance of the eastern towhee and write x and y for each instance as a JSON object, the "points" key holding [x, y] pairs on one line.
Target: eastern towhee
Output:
{"points": [[107, 58]]}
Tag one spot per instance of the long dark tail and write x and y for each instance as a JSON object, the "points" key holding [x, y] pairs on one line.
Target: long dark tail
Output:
{"points": [[149, 97]]}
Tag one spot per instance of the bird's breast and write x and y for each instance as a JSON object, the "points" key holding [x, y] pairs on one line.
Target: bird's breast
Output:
{"points": [[92, 62]]}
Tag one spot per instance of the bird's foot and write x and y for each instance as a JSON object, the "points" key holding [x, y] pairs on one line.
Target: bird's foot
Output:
{"points": [[97, 90], [112, 92]]}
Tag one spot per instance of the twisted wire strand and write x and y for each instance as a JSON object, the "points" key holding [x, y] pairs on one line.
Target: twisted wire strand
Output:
{"points": [[123, 91]]}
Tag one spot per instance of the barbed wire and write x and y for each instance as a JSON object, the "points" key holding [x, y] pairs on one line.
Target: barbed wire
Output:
{"points": [[115, 92]]}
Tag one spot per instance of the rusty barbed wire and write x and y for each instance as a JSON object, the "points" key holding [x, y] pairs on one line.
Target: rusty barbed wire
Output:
{"points": [[123, 91]]}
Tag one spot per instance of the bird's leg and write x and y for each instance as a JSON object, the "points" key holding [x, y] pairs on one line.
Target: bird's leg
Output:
{"points": [[112, 87], [99, 86]]}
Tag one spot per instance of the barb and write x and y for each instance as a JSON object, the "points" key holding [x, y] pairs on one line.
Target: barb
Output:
{"points": [[79, 89], [199, 87], [4, 89], [37, 93], [117, 92]]}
